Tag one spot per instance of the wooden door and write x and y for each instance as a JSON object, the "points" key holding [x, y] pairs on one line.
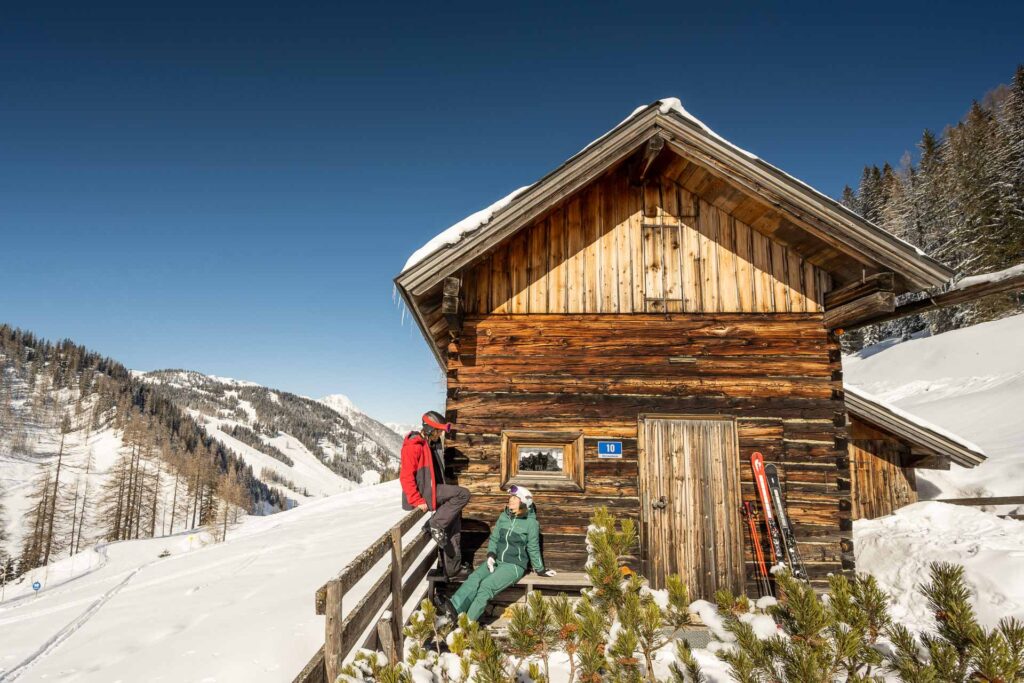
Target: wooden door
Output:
{"points": [[690, 503]]}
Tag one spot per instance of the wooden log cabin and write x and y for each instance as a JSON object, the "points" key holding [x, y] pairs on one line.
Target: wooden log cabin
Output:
{"points": [[627, 330]]}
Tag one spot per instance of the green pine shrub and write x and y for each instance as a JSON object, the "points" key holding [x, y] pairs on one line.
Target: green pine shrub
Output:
{"points": [[614, 630]]}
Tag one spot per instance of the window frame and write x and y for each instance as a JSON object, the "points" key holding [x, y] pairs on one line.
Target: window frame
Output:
{"points": [[570, 478]]}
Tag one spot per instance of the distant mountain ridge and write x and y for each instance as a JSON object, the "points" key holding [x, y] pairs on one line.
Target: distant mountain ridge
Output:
{"points": [[90, 450], [343, 438]]}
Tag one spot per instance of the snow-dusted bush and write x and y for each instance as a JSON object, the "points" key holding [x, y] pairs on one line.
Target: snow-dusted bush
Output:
{"points": [[614, 631], [621, 631], [848, 635]]}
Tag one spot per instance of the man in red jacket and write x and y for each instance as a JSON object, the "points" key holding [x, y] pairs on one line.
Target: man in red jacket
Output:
{"points": [[424, 487]]}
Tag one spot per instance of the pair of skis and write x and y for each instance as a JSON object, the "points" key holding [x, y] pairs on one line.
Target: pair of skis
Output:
{"points": [[780, 533]]}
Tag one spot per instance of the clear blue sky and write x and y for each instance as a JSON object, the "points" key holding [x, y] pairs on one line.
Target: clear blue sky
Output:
{"points": [[232, 188]]}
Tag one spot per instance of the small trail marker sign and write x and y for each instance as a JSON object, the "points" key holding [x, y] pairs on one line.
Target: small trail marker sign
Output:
{"points": [[609, 449]]}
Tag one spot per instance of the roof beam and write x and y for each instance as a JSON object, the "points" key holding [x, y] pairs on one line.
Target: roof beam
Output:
{"points": [[879, 282], [961, 295], [867, 306], [652, 150], [867, 244]]}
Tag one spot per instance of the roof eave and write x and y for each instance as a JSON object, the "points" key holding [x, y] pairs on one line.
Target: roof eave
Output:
{"points": [[420, 323], [573, 174], [877, 414], [871, 241]]}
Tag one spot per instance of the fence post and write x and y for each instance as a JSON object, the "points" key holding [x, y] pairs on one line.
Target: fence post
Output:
{"points": [[332, 636], [397, 599], [385, 636]]}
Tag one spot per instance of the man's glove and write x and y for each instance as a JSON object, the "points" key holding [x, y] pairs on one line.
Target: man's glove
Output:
{"points": [[546, 572], [490, 563]]}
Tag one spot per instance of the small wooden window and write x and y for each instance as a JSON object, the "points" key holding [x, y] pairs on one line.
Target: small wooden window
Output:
{"points": [[545, 461]]}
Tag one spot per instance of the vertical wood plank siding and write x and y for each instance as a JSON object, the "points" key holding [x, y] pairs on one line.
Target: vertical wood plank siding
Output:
{"points": [[777, 374], [615, 248], [879, 482]]}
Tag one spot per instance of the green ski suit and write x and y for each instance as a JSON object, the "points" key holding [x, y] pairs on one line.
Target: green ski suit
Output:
{"points": [[514, 541]]}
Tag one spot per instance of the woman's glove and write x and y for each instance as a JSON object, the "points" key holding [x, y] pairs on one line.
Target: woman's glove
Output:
{"points": [[546, 572], [490, 564]]}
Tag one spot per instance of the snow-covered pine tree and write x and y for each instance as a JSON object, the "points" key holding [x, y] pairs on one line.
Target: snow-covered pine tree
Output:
{"points": [[963, 204], [84, 510], [113, 500]]}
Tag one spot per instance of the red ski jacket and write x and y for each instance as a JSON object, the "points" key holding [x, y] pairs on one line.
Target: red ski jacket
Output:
{"points": [[417, 473]]}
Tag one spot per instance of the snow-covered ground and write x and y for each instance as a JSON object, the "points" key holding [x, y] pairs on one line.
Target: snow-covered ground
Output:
{"points": [[969, 382], [898, 549], [241, 610]]}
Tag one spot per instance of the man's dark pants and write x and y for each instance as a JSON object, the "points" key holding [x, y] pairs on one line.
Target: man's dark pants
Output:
{"points": [[448, 516]]}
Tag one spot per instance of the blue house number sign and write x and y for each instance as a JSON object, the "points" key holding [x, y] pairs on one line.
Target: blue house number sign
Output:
{"points": [[609, 449]]}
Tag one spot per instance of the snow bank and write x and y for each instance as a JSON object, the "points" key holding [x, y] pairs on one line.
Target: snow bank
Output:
{"points": [[968, 382], [235, 611], [898, 549]]}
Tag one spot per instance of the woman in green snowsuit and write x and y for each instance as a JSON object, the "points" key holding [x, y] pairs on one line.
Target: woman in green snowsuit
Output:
{"points": [[515, 540]]}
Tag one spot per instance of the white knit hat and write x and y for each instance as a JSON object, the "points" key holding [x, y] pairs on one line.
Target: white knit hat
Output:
{"points": [[522, 493]]}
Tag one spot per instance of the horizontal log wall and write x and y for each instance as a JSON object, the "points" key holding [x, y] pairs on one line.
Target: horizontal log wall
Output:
{"points": [[618, 248], [778, 374], [880, 484]]}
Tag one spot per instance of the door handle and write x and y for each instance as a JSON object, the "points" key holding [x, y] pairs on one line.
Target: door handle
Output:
{"points": [[660, 504]]}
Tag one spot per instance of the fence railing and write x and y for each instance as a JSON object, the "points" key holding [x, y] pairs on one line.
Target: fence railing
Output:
{"points": [[344, 632], [994, 500], [982, 502]]}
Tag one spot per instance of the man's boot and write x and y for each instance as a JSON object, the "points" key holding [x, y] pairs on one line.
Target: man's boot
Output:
{"points": [[439, 536]]}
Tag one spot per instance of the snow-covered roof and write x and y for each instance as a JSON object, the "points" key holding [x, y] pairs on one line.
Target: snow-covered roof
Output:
{"points": [[845, 240], [667, 105], [453, 234], [913, 428]]}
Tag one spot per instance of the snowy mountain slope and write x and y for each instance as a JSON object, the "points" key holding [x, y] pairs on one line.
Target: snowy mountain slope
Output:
{"points": [[279, 427], [379, 433], [241, 610], [19, 470], [968, 381], [401, 429], [162, 440], [305, 478]]}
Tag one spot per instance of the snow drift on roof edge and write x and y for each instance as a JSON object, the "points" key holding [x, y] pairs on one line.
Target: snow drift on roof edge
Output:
{"points": [[467, 225], [475, 221], [914, 419]]}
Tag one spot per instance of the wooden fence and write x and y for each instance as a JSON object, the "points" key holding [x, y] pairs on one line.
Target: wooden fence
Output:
{"points": [[995, 500], [388, 594]]}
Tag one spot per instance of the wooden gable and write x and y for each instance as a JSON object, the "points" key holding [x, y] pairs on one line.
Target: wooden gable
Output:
{"points": [[619, 247]]}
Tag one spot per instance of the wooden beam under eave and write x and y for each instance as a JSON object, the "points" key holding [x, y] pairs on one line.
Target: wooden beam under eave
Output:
{"points": [[879, 282], [953, 297], [451, 306], [867, 306], [652, 150], [927, 461]]}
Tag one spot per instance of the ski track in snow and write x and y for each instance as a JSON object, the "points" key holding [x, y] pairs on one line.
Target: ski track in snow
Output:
{"points": [[239, 610], [69, 630]]}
